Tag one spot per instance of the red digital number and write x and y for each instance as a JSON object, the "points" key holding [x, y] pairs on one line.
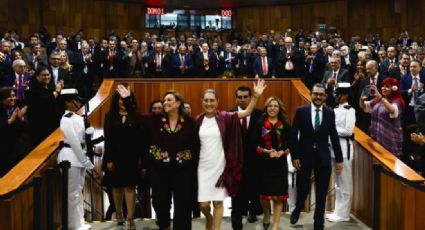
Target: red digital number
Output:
{"points": [[226, 13], [156, 11]]}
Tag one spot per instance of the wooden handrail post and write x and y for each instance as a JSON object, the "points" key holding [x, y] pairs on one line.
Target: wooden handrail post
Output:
{"points": [[37, 202], [50, 172], [65, 165], [377, 168]]}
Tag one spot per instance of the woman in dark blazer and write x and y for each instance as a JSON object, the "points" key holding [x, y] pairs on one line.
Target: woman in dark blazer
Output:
{"points": [[270, 140]]}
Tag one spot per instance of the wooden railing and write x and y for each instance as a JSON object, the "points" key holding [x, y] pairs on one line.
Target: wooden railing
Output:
{"points": [[16, 212]]}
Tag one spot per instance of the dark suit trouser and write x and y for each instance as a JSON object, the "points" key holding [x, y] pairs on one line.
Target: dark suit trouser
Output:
{"points": [[322, 176], [179, 185], [246, 199]]}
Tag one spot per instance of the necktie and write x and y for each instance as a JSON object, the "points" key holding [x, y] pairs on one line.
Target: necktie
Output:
{"points": [[311, 65], [158, 62], [334, 76], [317, 121], [264, 67], [415, 93], [244, 124], [20, 88], [182, 60]]}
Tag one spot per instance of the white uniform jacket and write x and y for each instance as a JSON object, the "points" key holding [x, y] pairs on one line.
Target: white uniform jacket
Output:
{"points": [[72, 127], [345, 121]]}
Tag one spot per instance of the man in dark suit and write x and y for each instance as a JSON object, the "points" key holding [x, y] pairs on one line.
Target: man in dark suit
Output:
{"points": [[315, 67], [229, 60], [84, 71], [36, 57], [411, 87], [18, 79], [389, 63], [248, 197], [245, 58], [290, 61], [202, 62], [182, 63], [263, 65], [58, 73], [332, 77], [313, 126], [375, 78]]}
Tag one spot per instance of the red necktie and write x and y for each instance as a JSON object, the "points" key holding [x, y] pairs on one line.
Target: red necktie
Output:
{"points": [[264, 67], [244, 124], [20, 88]]}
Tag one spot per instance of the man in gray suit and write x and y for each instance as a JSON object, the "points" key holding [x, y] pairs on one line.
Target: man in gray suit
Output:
{"points": [[332, 77]]}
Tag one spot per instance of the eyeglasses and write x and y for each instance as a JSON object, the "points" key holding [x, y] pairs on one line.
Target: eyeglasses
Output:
{"points": [[318, 94], [243, 97]]}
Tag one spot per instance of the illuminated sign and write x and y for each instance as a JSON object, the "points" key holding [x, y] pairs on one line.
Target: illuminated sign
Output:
{"points": [[155, 11], [226, 13]]}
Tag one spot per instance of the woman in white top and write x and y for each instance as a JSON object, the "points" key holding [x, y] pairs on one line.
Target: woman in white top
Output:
{"points": [[220, 163]]}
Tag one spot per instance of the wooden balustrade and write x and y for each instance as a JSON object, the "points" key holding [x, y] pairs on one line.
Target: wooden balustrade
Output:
{"points": [[400, 204]]}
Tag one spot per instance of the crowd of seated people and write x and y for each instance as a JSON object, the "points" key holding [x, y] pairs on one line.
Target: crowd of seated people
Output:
{"points": [[82, 63]]}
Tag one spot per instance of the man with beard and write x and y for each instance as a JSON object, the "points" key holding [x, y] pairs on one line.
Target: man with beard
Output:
{"points": [[313, 126]]}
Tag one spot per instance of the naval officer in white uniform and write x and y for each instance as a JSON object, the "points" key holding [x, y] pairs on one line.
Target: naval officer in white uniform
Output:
{"points": [[345, 120], [72, 127]]}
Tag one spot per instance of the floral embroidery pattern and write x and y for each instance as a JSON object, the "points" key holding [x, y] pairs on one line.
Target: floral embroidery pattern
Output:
{"points": [[266, 132], [158, 154], [166, 125], [183, 155]]}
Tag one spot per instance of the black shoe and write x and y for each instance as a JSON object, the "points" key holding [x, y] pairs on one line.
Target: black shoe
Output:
{"points": [[252, 218], [295, 216], [266, 226]]}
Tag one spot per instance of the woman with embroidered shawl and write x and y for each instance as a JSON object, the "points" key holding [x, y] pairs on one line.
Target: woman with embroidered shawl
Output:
{"points": [[220, 158], [173, 153], [270, 140]]}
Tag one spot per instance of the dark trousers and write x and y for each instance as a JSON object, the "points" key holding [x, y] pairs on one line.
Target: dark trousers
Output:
{"points": [[246, 200], [322, 176], [177, 184]]}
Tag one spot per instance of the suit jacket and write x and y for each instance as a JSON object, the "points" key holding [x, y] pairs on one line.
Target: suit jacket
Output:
{"points": [[229, 64], [199, 64], [297, 59], [245, 61], [42, 60], [79, 64], [385, 65], [188, 62], [9, 79], [258, 67], [420, 112], [304, 138], [343, 76], [64, 75], [315, 74]]}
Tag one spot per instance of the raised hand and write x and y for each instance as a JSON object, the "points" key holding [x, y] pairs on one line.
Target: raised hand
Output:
{"points": [[123, 91], [259, 87]]}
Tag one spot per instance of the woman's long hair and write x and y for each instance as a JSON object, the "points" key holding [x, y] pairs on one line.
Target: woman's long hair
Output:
{"points": [[395, 95], [114, 107], [282, 112]]}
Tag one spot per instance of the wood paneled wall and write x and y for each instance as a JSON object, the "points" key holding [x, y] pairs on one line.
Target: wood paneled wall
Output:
{"points": [[388, 18], [98, 17], [280, 18]]}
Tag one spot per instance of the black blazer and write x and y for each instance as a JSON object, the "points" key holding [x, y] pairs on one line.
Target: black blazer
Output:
{"points": [[249, 157], [303, 137]]}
